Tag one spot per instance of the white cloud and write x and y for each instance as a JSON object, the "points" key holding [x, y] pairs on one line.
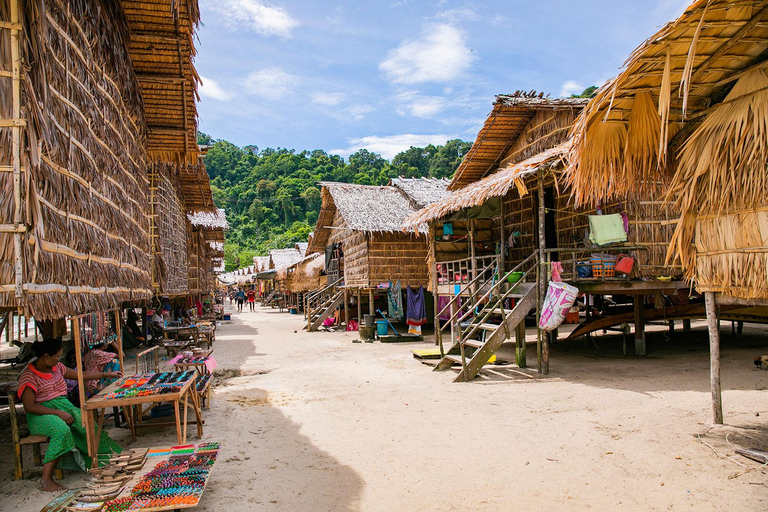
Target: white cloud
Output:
{"points": [[420, 105], [358, 112], [440, 55], [330, 99], [264, 19], [571, 87], [270, 83], [209, 88], [457, 15], [390, 145]]}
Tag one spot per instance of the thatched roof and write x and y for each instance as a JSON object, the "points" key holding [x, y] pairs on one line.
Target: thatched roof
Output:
{"points": [[506, 123], [302, 247], [422, 191], [161, 49], [687, 120], [261, 263], [281, 258], [495, 185], [211, 220], [691, 64]]}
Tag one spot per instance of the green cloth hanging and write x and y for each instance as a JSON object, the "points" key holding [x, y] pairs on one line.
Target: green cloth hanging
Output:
{"points": [[606, 229]]}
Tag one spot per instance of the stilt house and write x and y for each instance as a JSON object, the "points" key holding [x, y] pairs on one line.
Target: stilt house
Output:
{"points": [[510, 210], [700, 87], [359, 232]]}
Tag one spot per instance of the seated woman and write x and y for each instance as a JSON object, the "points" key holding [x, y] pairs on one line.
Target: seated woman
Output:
{"points": [[43, 392], [132, 334], [98, 360]]}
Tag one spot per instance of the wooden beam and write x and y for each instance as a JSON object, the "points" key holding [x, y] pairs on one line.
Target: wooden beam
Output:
{"points": [[543, 348], [714, 358], [639, 304]]}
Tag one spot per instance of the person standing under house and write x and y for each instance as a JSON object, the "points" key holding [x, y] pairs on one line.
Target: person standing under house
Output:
{"points": [[43, 392], [251, 299], [240, 297]]}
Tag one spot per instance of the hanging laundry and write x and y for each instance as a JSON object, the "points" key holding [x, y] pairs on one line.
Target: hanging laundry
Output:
{"points": [[606, 229], [414, 329], [416, 308], [557, 271], [395, 301]]}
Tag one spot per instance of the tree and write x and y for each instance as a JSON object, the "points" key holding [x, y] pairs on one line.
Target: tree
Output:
{"points": [[589, 92]]}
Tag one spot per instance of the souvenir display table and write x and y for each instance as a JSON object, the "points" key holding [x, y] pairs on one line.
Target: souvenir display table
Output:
{"points": [[135, 390], [204, 364], [148, 479]]}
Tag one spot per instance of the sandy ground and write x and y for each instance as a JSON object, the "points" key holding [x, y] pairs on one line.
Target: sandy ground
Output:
{"points": [[314, 422]]}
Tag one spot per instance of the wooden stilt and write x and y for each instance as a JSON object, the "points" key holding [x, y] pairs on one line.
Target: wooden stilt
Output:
{"points": [[520, 356], [543, 346], [346, 307], [371, 309], [714, 358], [686, 325], [640, 325], [359, 307]]}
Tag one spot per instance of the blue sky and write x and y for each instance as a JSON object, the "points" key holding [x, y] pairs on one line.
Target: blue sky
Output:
{"points": [[385, 75]]}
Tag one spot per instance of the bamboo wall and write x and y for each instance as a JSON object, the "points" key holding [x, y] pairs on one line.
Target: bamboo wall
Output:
{"points": [[195, 243], [397, 256], [355, 247], [169, 234], [546, 129], [82, 184]]}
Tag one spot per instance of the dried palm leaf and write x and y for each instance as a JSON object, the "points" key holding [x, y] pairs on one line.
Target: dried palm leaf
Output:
{"points": [[685, 81], [665, 100], [640, 165]]}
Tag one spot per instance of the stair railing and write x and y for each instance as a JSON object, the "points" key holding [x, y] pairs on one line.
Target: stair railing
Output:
{"points": [[313, 299], [468, 288], [502, 296]]}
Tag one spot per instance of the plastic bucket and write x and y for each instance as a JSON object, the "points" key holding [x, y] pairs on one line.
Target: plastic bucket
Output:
{"points": [[368, 320], [515, 277], [381, 327]]}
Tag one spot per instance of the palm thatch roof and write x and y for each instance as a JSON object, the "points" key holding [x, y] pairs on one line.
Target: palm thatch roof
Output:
{"points": [[302, 247], [282, 258], [687, 119], [422, 191], [370, 209], [210, 220], [495, 185], [502, 139], [162, 51], [261, 263]]}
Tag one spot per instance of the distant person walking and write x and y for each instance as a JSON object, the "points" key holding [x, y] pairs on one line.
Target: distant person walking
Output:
{"points": [[240, 297], [251, 299]]}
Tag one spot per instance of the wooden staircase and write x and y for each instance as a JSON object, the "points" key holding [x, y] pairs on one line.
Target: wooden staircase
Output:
{"points": [[321, 303], [478, 321]]}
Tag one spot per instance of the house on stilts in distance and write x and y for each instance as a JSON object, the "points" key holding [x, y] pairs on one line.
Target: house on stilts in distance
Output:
{"points": [[359, 233]]}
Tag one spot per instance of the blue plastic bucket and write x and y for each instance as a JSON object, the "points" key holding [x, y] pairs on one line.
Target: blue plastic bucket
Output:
{"points": [[381, 327]]}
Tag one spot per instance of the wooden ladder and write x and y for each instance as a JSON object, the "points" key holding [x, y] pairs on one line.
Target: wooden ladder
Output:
{"points": [[472, 354]]}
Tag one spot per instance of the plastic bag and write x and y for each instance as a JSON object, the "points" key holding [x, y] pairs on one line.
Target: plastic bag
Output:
{"points": [[559, 299]]}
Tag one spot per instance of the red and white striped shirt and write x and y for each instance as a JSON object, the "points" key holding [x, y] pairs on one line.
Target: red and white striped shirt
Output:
{"points": [[45, 385]]}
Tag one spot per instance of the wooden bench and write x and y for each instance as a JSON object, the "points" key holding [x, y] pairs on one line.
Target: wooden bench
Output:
{"points": [[30, 440]]}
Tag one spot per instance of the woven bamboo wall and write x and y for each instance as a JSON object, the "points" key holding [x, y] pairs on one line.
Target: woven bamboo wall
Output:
{"points": [[195, 243], [397, 256], [84, 185], [355, 246], [520, 217], [169, 234]]}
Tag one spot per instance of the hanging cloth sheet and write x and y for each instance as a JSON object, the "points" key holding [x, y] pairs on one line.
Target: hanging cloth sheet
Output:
{"points": [[417, 309], [606, 229], [395, 301], [443, 301]]}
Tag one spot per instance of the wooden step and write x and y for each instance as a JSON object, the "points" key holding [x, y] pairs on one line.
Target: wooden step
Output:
{"points": [[487, 327], [474, 343]]}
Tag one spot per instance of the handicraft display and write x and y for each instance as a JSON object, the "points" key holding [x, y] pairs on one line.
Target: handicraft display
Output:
{"points": [[151, 384]]}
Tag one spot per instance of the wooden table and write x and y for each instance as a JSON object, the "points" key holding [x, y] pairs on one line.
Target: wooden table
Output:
{"points": [[199, 365], [96, 406], [175, 332]]}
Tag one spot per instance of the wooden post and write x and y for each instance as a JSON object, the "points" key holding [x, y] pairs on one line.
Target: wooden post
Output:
{"points": [[371, 310], [714, 358], [639, 325], [473, 262], [84, 414], [520, 356], [542, 277], [359, 307], [9, 329], [687, 325], [503, 246], [346, 306], [16, 145], [119, 333]]}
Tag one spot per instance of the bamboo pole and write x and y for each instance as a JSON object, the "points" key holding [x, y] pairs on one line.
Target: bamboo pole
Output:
{"points": [[359, 307], [639, 303], [543, 348], [503, 246], [16, 145], [714, 358], [346, 306], [119, 332], [370, 302]]}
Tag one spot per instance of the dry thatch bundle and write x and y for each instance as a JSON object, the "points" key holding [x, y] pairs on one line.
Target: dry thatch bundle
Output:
{"points": [[721, 185], [640, 151]]}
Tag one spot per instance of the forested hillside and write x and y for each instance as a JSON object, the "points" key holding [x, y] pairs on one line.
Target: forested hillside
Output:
{"points": [[272, 197]]}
